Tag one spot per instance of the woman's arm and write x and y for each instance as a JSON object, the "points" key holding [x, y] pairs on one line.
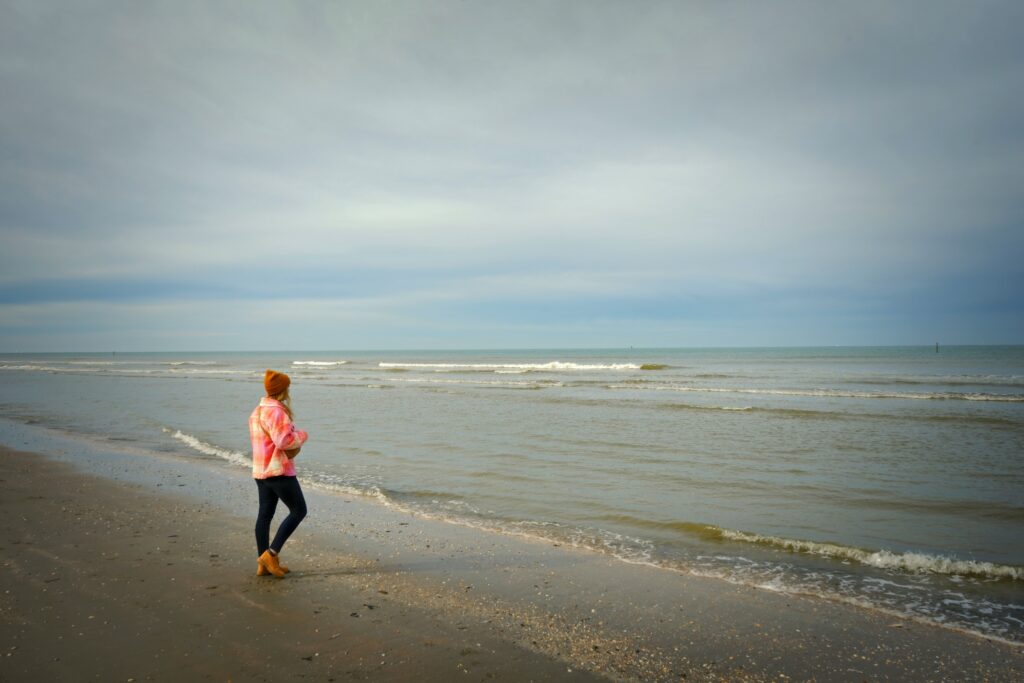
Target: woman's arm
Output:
{"points": [[282, 432]]}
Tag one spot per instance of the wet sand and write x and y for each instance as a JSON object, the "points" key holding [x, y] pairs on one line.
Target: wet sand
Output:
{"points": [[125, 567]]}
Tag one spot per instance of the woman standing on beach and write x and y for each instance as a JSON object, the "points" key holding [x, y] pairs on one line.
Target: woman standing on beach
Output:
{"points": [[275, 443]]}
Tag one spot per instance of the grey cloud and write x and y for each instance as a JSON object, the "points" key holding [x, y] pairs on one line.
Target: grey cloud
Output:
{"points": [[784, 147]]}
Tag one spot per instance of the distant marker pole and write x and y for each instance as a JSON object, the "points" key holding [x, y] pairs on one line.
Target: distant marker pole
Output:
{"points": [[936, 347]]}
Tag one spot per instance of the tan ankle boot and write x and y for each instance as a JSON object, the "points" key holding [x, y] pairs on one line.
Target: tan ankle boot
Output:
{"points": [[262, 571], [270, 563]]}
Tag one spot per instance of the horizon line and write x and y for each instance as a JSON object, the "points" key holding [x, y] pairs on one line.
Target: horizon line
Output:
{"points": [[523, 348]]}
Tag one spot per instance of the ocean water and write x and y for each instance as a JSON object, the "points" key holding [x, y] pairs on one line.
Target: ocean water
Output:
{"points": [[891, 478]]}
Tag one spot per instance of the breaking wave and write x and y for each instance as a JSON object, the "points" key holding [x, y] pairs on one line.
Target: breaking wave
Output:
{"points": [[910, 562], [235, 457]]}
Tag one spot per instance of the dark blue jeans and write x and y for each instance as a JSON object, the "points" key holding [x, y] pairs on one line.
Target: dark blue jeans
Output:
{"points": [[271, 490]]}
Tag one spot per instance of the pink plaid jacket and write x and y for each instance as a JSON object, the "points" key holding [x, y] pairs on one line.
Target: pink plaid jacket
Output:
{"points": [[272, 433]]}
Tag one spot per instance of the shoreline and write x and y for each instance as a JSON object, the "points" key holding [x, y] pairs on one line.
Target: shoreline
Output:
{"points": [[542, 609], [773, 491], [133, 588]]}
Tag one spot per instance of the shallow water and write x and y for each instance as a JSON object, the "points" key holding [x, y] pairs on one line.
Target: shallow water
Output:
{"points": [[888, 477]]}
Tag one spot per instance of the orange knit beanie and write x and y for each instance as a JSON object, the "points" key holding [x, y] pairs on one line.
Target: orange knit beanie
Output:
{"points": [[275, 382]]}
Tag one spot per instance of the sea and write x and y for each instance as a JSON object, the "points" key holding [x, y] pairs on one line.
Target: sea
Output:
{"points": [[891, 478]]}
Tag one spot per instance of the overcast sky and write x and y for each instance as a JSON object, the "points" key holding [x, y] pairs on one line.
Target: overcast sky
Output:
{"points": [[345, 175]]}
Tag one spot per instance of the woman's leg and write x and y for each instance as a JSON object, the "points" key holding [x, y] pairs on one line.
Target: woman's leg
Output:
{"points": [[268, 505], [288, 490]]}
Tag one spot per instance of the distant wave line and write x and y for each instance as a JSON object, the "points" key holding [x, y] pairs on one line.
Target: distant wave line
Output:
{"points": [[802, 413], [538, 384], [830, 393], [553, 365], [958, 380]]}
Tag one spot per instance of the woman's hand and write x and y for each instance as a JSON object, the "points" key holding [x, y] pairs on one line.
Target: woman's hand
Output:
{"points": [[292, 453]]}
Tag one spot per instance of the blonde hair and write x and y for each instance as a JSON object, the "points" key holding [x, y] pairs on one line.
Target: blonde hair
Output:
{"points": [[285, 399]]}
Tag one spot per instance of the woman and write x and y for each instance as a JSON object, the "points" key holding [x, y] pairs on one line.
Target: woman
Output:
{"points": [[275, 443]]}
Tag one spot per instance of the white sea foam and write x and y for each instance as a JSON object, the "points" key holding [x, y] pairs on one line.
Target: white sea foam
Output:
{"points": [[892, 605], [551, 366], [885, 559], [209, 449], [320, 363], [337, 484]]}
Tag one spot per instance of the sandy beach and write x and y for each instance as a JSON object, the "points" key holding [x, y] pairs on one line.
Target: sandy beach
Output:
{"points": [[128, 568]]}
